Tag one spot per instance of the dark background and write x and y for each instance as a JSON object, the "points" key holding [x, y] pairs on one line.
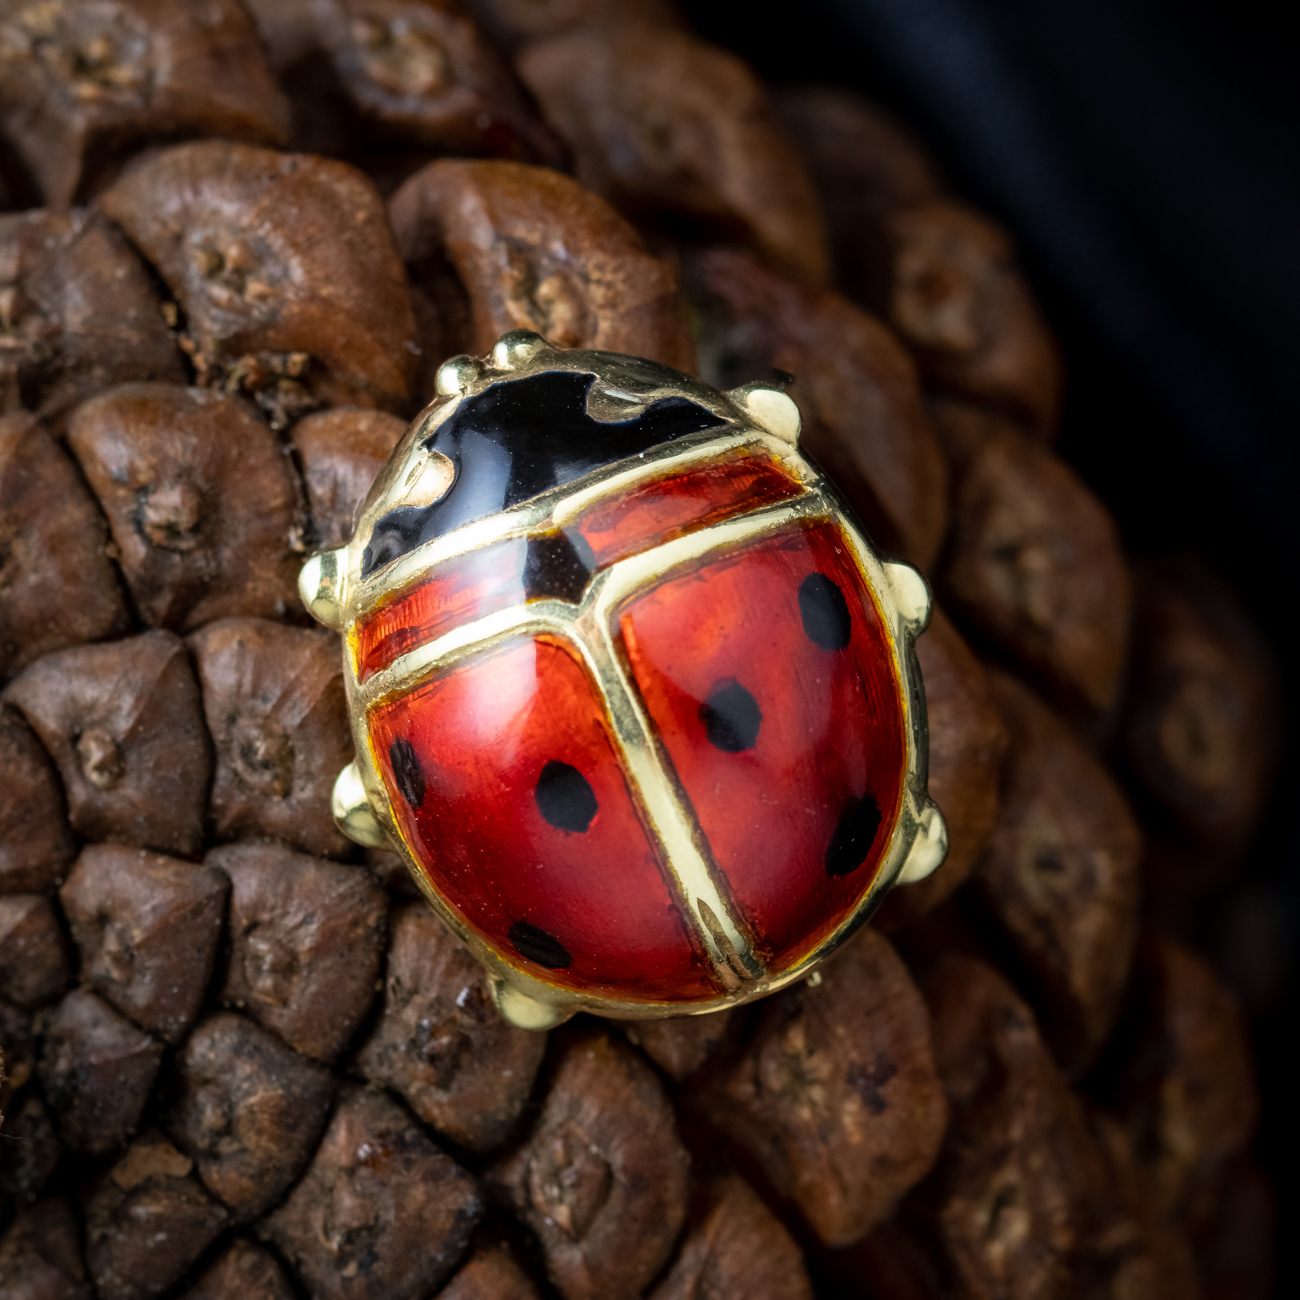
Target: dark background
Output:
{"points": [[1145, 154]]}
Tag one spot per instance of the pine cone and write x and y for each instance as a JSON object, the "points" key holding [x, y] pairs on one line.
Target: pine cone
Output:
{"points": [[239, 1061]]}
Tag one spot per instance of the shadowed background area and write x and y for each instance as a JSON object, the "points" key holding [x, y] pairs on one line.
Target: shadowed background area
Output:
{"points": [[1143, 154]]}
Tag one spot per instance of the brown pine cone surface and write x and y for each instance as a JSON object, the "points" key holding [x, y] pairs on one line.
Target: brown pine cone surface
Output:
{"points": [[241, 1059]]}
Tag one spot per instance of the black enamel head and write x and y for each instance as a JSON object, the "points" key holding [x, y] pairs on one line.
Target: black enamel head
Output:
{"points": [[518, 438]]}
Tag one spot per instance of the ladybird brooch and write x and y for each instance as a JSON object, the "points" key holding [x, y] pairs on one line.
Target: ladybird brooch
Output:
{"points": [[630, 691]]}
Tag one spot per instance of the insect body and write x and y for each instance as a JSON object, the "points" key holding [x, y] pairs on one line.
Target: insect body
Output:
{"points": [[630, 692]]}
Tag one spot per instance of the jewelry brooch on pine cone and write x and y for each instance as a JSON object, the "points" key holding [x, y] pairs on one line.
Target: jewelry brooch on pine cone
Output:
{"points": [[631, 692]]}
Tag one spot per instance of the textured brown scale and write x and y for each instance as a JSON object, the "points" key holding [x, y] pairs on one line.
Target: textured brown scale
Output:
{"points": [[864, 165], [19, 1046], [531, 249], [306, 937], [273, 698], [662, 124], [284, 268], [860, 155], [34, 966], [1185, 1089], [97, 1070], [490, 1273], [340, 453], [836, 1100], [1156, 1258], [1021, 1202], [1201, 729], [36, 843], [943, 275], [78, 313], [243, 1271], [957, 298], [863, 419], [57, 584], [388, 85], [516, 22], [247, 1109], [290, 29], [147, 1220], [32, 1145], [382, 1213], [391, 871], [967, 743], [1060, 876], [34, 1150], [1033, 561], [124, 725], [200, 498], [441, 1043], [736, 1247], [40, 1255], [147, 929], [420, 70], [895, 1262], [602, 1177], [82, 84], [678, 1046]]}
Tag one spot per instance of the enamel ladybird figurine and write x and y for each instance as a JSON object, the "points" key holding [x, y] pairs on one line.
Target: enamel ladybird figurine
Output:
{"points": [[631, 693]]}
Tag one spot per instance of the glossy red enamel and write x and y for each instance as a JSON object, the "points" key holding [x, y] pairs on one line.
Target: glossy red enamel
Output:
{"points": [[666, 508], [458, 590], [830, 726], [480, 763], [467, 587]]}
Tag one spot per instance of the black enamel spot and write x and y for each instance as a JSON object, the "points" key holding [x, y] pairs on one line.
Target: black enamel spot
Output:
{"points": [[557, 567], [854, 836], [537, 946], [521, 437], [406, 771], [731, 717], [564, 797], [825, 612]]}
